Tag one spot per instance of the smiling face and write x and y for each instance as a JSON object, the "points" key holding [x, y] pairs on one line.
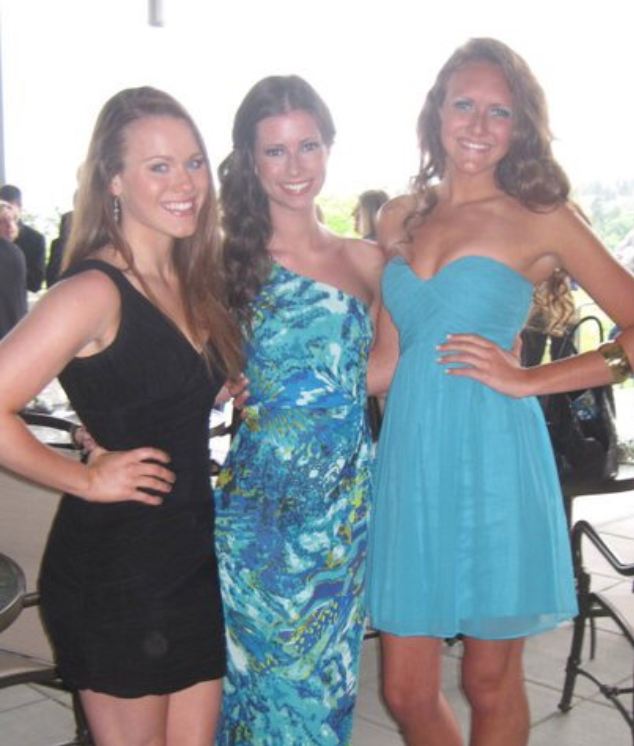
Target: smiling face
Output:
{"points": [[164, 181], [476, 119], [290, 159]]}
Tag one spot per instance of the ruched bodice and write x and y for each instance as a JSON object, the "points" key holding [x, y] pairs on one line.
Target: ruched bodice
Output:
{"points": [[465, 295], [129, 591], [466, 483]]}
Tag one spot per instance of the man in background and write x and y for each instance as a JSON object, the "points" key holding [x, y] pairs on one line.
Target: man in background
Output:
{"points": [[31, 242], [12, 271]]}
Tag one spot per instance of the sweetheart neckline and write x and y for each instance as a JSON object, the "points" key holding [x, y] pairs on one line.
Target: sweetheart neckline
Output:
{"points": [[460, 259]]}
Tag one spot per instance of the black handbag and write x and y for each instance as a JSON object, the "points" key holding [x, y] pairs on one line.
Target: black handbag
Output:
{"points": [[582, 424]]}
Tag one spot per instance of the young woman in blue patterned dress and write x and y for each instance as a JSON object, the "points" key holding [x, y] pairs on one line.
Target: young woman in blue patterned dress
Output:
{"points": [[292, 503], [469, 535]]}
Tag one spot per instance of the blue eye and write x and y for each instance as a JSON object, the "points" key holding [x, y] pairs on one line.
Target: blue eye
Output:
{"points": [[195, 164], [463, 104], [274, 151], [501, 112], [159, 168], [307, 147]]}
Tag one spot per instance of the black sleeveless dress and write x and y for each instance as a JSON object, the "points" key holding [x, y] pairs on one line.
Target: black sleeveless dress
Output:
{"points": [[129, 592]]}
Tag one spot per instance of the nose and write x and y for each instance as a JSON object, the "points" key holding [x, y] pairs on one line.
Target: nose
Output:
{"points": [[184, 180], [478, 122], [293, 164]]}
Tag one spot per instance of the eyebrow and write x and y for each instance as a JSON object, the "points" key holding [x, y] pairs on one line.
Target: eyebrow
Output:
{"points": [[165, 157]]}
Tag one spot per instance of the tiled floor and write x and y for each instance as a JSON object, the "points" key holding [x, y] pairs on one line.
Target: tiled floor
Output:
{"points": [[31, 716], [592, 720]]}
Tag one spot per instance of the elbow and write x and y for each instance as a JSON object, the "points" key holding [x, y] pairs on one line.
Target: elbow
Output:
{"points": [[379, 380]]}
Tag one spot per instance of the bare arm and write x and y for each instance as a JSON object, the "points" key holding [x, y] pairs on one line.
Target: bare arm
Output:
{"points": [[606, 281], [77, 317], [384, 356], [385, 352]]}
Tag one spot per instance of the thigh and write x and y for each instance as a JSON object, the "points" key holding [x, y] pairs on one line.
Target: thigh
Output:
{"points": [[193, 714], [115, 721], [184, 718], [411, 662]]}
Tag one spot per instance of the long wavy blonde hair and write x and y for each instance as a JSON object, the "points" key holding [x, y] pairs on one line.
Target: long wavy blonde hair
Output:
{"points": [[528, 172]]}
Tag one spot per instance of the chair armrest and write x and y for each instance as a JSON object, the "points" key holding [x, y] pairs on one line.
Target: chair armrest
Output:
{"points": [[584, 529], [53, 423]]}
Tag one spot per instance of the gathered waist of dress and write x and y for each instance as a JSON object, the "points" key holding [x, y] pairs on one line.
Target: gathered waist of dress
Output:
{"points": [[300, 395], [426, 339], [348, 410]]}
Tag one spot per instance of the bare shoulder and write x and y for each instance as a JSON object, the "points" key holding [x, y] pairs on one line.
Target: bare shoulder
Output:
{"points": [[88, 303], [92, 285], [360, 270], [77, 316], [391, 220], [560, 237], [398, 208], [549, 220], [365, 252], [566, 229], [366, 259]]}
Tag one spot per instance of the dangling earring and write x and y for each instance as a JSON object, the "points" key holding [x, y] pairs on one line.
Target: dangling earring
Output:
{"points": [[116, 209]]}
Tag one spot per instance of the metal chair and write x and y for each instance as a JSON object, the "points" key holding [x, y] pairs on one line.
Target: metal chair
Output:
{"points": [[616, 604], [25, 657], [18, 669], [622, 482]]}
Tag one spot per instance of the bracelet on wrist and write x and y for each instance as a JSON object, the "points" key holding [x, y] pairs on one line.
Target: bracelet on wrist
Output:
{"points": [[617, 360]]}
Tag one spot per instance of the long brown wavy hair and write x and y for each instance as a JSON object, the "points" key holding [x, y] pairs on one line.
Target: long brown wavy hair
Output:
{"points": [[196, 259], [553, 305], [528, 172], [246, 220]]}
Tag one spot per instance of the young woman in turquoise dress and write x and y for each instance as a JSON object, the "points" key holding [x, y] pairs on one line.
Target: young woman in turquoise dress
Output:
{"points": [[292, 503], [468, 533], [138, 334]]}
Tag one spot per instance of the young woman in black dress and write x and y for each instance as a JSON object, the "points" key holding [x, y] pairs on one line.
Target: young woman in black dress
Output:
{"points": [[139, 337]]}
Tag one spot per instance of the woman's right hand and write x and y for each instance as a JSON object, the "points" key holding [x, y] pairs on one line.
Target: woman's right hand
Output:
{"points": [[119, 476]]}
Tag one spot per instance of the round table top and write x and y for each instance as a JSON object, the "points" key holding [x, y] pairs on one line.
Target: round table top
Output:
{"points": [[12, 590]]}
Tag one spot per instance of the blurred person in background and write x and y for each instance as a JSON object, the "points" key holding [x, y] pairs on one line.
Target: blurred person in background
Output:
{"points": [[12, 271], [366, 211], [31, 241]]}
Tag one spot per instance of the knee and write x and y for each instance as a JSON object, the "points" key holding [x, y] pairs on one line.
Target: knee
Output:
{"points": [[488, 692], [408, 703], [482, 691]]}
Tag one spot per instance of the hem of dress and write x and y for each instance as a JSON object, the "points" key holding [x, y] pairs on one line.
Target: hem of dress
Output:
{"points": [[77, 685], [556, 620]]}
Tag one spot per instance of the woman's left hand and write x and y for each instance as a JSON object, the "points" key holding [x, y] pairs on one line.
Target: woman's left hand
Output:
{"points": [[486, 362], [235, 389]]}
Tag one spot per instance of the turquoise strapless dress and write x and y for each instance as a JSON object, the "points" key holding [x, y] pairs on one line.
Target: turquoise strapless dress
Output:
{"points": [[468, 532], [291, 520]]}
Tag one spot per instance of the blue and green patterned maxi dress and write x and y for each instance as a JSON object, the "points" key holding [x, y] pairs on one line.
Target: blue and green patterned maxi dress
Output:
{"points": [[291, 525]]}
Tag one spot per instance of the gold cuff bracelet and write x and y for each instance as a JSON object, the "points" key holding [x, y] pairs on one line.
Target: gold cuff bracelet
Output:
{"points": [[617, 360]]}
